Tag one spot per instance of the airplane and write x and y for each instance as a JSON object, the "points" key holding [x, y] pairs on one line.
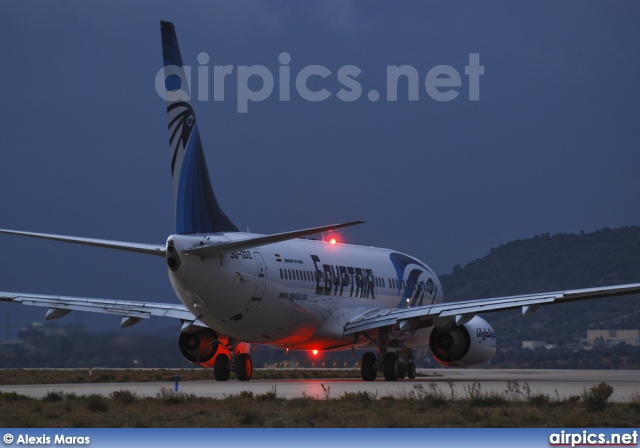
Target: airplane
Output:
{"points": [[240, 289]]}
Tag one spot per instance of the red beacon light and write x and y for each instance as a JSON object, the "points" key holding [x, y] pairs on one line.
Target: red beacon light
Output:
{"points": [[332, 241], [315, 352]]}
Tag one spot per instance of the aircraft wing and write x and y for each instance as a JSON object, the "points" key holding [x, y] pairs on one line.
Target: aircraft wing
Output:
{"points": [[459, 313], [132, 312]]}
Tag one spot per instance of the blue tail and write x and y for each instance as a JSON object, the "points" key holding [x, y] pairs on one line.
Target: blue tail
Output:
{"points": [[196, 207]]}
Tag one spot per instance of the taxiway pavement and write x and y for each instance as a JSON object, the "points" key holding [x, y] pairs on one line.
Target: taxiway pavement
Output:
{"points": [[555, 383]]}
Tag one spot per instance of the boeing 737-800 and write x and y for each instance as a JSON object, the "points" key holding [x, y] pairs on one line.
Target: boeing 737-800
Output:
{"points": [[237, 289]]}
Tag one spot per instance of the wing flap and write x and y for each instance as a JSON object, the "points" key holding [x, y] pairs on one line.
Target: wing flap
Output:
{"points": [[447, 313]]}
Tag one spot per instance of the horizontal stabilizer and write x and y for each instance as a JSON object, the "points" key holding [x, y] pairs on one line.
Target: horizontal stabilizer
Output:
{"points": [[215, 250], [150, 249]]}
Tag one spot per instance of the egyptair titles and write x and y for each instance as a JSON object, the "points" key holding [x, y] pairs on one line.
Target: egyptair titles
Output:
{"points": [[339, 280]]}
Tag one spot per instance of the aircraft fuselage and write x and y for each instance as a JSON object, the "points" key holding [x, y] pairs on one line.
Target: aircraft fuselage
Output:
{"points": [[295, 293]]}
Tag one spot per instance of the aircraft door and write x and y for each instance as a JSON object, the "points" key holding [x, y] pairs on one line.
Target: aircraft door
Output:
{"points": [[261, 284]]}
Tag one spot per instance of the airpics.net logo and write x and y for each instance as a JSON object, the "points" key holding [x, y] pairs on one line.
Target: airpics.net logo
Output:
{"points": [[314, 83], [591, 438]]}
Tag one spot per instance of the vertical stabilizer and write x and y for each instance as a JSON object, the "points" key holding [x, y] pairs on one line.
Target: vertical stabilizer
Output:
{"points": [[196, 207]]}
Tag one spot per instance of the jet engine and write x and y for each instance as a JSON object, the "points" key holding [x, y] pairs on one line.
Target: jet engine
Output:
{"points": [[463, 345], [199, 347]]}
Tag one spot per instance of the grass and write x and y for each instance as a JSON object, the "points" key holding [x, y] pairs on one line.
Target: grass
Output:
{"points": [[425, 406]]}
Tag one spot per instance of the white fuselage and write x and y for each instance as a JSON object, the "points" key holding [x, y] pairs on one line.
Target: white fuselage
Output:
{"points": [[298, 293]]}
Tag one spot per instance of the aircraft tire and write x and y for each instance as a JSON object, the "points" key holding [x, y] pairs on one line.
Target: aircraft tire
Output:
{"points": [[390, 366], [411, 371], [402, 372], [221, 367], [368, 368], [244, 367]]}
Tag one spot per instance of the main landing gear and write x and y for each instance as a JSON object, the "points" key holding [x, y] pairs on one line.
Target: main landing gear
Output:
{"points": [[240, 363], [387, 362]]}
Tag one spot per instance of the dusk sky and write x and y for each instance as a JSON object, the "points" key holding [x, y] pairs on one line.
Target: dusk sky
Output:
{"points": [[550, 144]]}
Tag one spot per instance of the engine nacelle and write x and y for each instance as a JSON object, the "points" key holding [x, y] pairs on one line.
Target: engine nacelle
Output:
{"points": [[464, 345], [199, 347]]}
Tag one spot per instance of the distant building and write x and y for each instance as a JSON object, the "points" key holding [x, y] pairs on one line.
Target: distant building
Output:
{"points": [[613, 337], [42, 338], [531, 345]]}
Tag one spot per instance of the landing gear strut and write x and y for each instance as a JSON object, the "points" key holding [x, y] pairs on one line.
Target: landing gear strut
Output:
{"points": [[391, 367], [240, 363], [386, 361]]}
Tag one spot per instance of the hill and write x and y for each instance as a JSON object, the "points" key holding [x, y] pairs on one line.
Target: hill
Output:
{"points": [[550, 263]]}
